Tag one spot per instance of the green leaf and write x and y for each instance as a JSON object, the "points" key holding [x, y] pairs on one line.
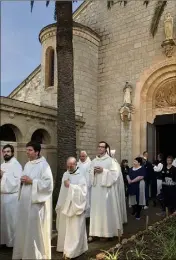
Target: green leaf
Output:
{"points": [[159, 9], [32, 4]]}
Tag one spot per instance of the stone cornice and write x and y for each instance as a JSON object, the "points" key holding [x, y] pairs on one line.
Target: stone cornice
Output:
{"points": [[81, 8], [33, 111], [24, 82], [78, 30]]}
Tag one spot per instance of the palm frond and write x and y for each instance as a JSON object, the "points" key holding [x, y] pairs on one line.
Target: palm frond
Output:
{"points": [[32, 4], [146, 2], [47, 3], [159, 9], [110, 3]]}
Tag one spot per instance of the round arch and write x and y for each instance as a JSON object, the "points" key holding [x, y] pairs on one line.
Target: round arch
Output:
{"points": [[144, 110], [10, 133], [42, 136]]}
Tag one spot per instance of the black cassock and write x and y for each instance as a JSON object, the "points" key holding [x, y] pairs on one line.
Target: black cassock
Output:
{"points": [[169, 187]]}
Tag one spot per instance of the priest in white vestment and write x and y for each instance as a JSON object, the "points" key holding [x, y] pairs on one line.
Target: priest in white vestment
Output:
{"points": [[105, 213], [10, 174], [70, 208], [34, 218], [121, 190], [174, 162], [84, 166]]}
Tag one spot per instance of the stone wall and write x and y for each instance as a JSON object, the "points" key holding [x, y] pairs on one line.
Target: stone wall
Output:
{"points": [[126, 51], [85, 44], [30, 90]]}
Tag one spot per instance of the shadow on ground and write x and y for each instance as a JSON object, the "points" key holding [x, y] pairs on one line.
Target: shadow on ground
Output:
{"points": [[131, 228]]}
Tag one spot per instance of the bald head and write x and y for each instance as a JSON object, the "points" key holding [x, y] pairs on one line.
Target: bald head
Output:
{"points": [[71, 164], [83, 156]]}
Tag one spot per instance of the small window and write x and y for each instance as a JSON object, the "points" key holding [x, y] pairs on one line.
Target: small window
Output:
{"points": [[49, 67]]}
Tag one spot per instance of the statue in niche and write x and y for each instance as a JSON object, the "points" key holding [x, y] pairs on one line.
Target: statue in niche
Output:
{"points": [[168, 26], [127, 93]]}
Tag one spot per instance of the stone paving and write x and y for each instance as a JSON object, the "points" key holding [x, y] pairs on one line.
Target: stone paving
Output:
{"points": [[131, 228]]}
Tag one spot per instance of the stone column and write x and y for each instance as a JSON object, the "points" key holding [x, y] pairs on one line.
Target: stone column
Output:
{"points": [[126, 141]]}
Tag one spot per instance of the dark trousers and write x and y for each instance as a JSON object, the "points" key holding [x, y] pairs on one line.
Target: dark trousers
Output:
{"points": [[136, 210], [147, 193], [160, 198]]}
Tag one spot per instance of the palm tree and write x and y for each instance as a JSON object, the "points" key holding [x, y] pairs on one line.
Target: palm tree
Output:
{"points": [[158, 11], [66, 125]]}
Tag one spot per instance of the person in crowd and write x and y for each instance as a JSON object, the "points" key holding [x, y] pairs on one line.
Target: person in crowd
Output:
{"points": [[158, 167], [84, 166], [150, 180], [71, 207], [136, 187], [125, 171], [174, 162], [169, 185], [10, 174], [106, 218], [34, 211]]}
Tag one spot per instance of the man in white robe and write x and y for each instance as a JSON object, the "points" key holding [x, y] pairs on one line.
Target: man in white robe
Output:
{"points": [[33, 229], [174, 162], [84, 166], [121, 190], [10, 174], [105, 213], [70, 208]]}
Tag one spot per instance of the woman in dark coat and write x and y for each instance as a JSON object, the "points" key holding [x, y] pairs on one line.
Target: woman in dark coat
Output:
{"points": [[125, 171], [136, 187], [169, 185]]}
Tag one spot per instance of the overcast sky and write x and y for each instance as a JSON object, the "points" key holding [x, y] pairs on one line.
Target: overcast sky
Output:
{"points": [[20, 47]]}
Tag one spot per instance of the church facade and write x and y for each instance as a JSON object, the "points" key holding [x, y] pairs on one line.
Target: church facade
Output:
{"points": [[125, 82]]}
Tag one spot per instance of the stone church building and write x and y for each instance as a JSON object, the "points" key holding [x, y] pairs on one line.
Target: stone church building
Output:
{"points": [[125, 84]]}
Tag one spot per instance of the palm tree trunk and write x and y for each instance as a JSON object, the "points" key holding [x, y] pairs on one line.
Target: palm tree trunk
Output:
{"points": [[66, 125]]}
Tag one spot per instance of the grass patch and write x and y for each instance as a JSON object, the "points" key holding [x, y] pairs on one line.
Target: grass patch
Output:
{"points": [[157, 243]]}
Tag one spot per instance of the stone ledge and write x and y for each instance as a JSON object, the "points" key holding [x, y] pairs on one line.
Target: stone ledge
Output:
{"points": [[78, 29]]}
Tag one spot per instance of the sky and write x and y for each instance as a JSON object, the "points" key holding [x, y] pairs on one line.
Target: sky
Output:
{"points": [[20, 47]]}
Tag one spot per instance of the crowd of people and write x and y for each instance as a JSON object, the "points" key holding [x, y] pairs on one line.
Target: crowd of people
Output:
{"points": [[93, 195], [158, 183]]}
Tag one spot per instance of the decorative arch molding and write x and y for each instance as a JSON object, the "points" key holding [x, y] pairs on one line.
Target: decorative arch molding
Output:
{"points": [[144, 111], [13, 131], [46, 131]]}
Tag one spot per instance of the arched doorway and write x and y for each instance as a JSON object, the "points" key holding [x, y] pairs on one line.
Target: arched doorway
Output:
{"points": [[41, 136], [152, 100], [9, 133]]}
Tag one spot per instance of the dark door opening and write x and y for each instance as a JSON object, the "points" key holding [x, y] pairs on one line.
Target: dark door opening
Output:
{"points": [[166, 139]]}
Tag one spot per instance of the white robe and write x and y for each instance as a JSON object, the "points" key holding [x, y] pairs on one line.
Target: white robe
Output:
{"points": [[105, 213], [158, 168], [174, 162], [33, 229], [121, 191], [10, 184], [84, 168], [70, 208]]}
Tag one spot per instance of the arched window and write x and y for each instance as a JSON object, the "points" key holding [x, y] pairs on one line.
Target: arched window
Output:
{"points": [[9, 133], [49, 67], [41, 136]]}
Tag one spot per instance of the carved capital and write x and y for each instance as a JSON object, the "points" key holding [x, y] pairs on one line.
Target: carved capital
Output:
{"points": [[168, 46], [125, 113], [12, 115]]}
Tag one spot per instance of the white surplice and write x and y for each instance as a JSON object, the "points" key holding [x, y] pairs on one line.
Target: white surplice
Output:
{"points": [[70, 208], [34, 218], [105, 213], [85, 169], [10, 184], [121, 192]]}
